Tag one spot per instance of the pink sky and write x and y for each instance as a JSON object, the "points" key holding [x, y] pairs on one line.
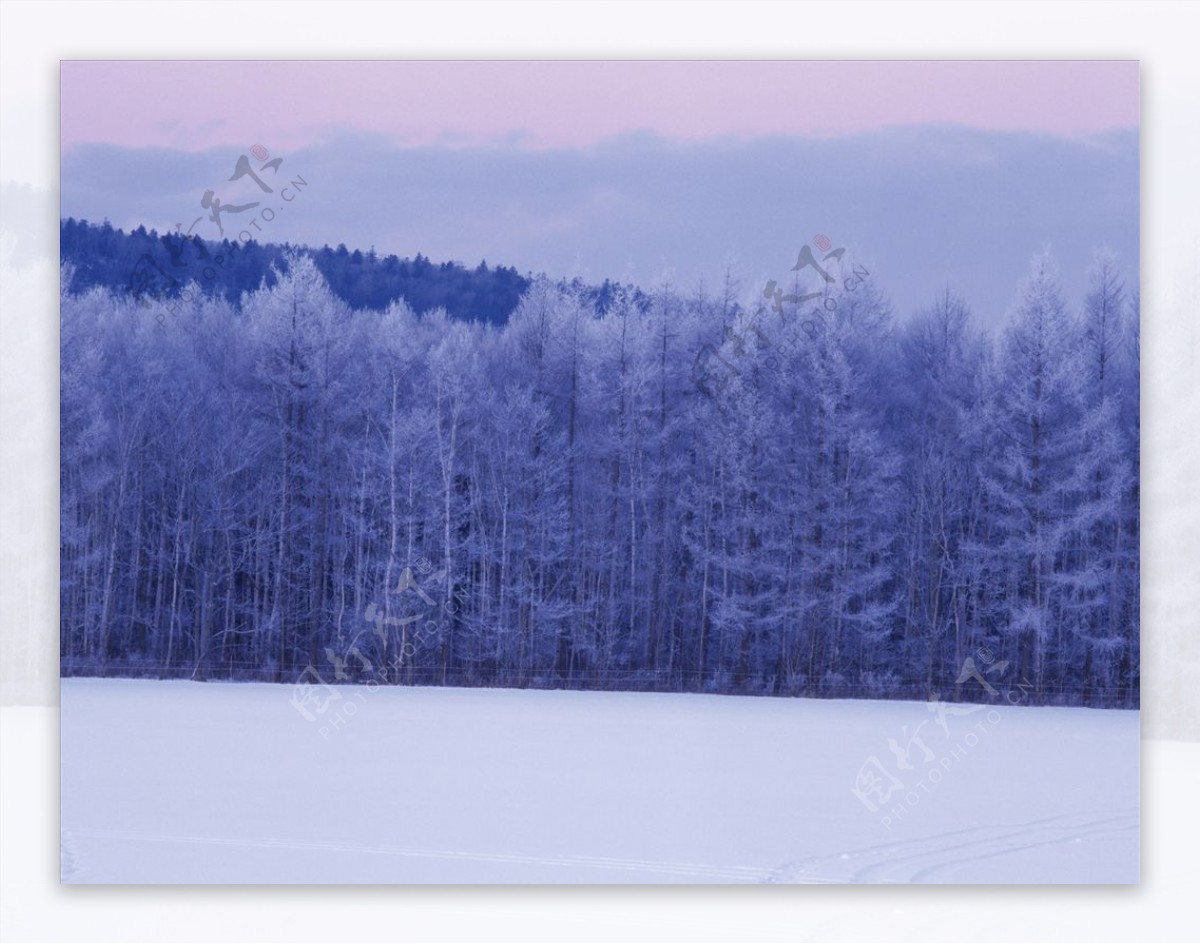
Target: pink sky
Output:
{"points": [[201, 104]]}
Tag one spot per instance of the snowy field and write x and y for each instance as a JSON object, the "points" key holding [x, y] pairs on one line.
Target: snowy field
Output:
{"points": [[213, 783]]}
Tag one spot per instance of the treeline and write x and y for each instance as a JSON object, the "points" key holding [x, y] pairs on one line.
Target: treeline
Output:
{"points": [[144, 263], [674, 493]]}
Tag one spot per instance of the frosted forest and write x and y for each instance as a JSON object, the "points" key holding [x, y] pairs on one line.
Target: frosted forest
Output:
{"points": [[691, 490]]}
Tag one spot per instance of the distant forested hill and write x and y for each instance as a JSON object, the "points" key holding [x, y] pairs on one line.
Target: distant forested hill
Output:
{"points": [[162, 264]]}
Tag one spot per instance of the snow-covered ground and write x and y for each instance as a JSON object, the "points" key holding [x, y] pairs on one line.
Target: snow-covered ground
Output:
{"points": [[189, 782]]}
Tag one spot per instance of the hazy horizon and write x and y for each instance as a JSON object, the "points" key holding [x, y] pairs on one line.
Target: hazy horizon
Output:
{"points": [[926, 208]]}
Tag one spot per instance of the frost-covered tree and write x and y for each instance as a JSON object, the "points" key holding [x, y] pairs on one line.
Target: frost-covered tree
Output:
{"points": [[1040, 475], [938, 401]]}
